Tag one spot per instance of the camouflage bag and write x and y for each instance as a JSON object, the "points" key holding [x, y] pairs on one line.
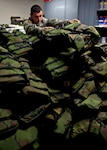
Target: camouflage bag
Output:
{"points": [[84, 36], [56, 68], [8, 124], [10, 68], [18, 43], [57, 95], [21, 139], [84, 87], [34, 83], [100, 69]]}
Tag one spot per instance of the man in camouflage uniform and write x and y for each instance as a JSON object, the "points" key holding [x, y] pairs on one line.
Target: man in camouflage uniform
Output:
{"points": [[37, 21]]}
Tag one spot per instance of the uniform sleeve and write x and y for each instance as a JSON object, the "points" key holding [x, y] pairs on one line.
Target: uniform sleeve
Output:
{"points": [[30, 28], [54, 22]]}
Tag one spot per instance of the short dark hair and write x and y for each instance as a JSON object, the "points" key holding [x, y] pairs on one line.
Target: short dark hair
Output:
{"points": [[35, 8]]}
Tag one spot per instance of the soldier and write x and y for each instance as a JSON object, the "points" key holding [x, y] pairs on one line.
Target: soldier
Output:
{"points": [[37, 21]]}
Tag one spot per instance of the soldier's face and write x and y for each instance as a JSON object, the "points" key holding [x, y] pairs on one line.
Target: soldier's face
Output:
{"points": [[37, 17]]}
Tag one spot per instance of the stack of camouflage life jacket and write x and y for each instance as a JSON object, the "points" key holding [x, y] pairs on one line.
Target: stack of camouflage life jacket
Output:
{"points": [[60, 75]]}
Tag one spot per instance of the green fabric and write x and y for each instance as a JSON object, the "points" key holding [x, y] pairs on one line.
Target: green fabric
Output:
{"points": [[20, 139], [57, 96], [8, 124], [56, 67], [63, 122], [93, 101]]}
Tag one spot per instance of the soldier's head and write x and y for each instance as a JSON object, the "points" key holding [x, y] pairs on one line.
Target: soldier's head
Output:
{"points": [[36, 14]]}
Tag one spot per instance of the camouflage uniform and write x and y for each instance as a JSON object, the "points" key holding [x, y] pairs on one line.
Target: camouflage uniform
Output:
{"points": [[30, 27]]}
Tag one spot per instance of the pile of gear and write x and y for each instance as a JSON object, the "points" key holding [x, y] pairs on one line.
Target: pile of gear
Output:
{"points": [[53, 88]]}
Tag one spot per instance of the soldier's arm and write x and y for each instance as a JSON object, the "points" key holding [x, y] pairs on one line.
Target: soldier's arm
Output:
{"points": [[30, 28]]}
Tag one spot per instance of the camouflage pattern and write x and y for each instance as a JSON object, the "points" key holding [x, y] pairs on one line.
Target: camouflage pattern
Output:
{"points": [[64, 90], [32, 28], [8, 124], [20, 139]]}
